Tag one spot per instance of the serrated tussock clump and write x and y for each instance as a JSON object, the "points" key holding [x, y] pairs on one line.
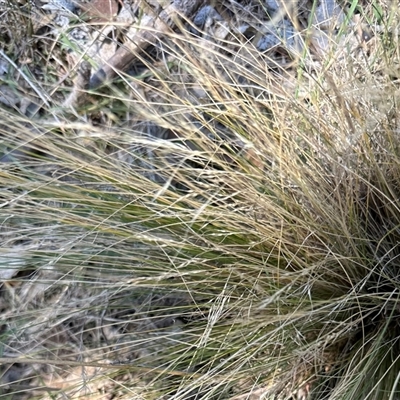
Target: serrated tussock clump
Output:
{"points": [[209, 229]]}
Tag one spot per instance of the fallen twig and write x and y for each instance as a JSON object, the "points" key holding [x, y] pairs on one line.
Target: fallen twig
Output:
{"points": [[151, 29]]}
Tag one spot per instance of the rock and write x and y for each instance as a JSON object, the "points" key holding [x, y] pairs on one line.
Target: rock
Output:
{"points": [[59, 5], [272, 5], [283, 34], [328, 15]]}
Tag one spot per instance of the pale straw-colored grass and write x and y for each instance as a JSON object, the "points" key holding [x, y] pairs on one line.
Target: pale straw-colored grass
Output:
{"points": [[255, 254]]}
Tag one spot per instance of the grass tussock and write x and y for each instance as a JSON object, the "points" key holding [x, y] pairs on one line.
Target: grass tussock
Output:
{"points": [[217, 225]]}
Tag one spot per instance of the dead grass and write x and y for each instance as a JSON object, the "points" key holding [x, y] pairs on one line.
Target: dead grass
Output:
{"points": [[218, 224]]}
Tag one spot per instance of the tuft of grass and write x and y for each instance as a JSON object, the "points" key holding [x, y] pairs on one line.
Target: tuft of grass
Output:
{"points": [[219, 226]]}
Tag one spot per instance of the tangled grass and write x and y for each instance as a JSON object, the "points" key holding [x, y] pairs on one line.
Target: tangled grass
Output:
{"points": [[253, 254]]}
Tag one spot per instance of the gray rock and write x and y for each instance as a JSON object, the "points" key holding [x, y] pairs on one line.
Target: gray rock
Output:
{"points": [[282, 34], [60, 5], [328, 15], [268, 42], [272, 5], [204, 14], [3, 66]]}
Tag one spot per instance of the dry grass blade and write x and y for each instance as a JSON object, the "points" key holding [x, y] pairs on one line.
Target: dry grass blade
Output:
{"points": [[219, 224]]}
